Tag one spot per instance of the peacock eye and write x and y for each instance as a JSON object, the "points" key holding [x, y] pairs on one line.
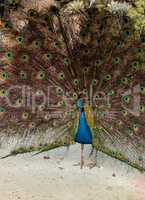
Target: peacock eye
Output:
{"points": [[110, 93], [46, 18], [135, 126], [39, 92], [76, 82], [126, 99], [86, 69], [32, 125], [129, 131], [32, 13], [14, 2], [41, 107], [83, 34], [98, 41], [86, 51], [124, 112], [69, 125], [41, 75], [56, 44], [140, 50], [3, 75], [142, 109], [94, 82], [97, 96], [124, 80], [60, 103], [67, 61], [126, 20], [75, 96], [98, 62], [120, 123], [85, 91], [20, 39], [142, 89], [7, 24], [118, 44], [50, 29], [3, 93], [23, 75], [135, 65], [2, 110], [103, 114], [36, 44], [47, 117], [9, 55], [108, 77], [48, 56], [88, 24], [127, 33], [25, 115], [24, 57], [19, 102], [59, 91], [116, 60], [61, 76]]}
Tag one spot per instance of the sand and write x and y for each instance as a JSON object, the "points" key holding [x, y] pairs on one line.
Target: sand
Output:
{"points": [[28, 177]]}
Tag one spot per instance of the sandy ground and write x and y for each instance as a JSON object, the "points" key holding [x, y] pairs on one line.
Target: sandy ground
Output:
{"points": [[28, 177]]}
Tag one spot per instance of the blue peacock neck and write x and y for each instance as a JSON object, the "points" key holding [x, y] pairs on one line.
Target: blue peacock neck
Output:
{"points": [[80, 104]]}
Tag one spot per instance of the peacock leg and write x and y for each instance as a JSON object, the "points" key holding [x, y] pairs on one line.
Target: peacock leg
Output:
{"points": [[82, 157]]}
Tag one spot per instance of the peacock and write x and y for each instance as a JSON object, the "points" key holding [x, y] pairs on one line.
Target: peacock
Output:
{"points": [[63, 65]]}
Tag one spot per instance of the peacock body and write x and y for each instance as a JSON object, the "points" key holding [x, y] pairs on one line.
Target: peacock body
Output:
{"points": [[57, 55]]}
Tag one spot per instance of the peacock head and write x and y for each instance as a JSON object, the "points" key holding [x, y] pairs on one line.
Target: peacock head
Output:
{"points": [[81, 96]]}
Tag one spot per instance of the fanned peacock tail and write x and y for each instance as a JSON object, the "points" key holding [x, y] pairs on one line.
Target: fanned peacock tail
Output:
{"points": [[61, 53], [36, 62]]}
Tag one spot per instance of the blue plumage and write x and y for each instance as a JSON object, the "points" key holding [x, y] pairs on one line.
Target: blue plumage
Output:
{"points": [[83, 135]]}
